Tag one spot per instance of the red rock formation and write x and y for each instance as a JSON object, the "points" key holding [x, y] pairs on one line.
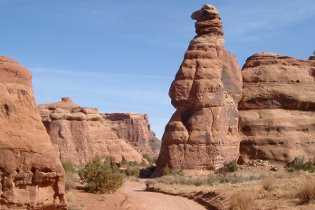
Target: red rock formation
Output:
{"points": [[31, 174], [83, 134], [203, 132], [135, 128], [277, 111]]}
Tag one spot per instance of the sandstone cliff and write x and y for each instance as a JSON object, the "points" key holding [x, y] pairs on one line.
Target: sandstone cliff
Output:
{"points": [[277, 117], [31, 175], [203, 132], [135, 128], [82, 134]]}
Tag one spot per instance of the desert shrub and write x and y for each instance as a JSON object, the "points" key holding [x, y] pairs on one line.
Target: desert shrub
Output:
{"points": [[101, 177], [182, 180], [68, 167], [299, 164], [130, 168], [230, 166], [132, 171], [70, 175], [268, 183], [243, 201], [209, 180], [167, 171], [306, 193], [149, 159], [234, 178], [70, 181]]}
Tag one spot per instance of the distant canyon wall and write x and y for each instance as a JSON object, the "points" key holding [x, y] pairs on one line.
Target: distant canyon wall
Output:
{"points": [[83, 134]]}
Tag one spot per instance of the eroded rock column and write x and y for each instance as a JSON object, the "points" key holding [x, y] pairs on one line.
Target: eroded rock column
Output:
{"points": [[203, 131]]}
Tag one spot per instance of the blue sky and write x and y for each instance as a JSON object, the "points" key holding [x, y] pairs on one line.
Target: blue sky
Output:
{"points": [[121, 56]]}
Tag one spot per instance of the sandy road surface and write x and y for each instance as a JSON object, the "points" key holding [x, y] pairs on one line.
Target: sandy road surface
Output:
{"points": [[130, 197]]}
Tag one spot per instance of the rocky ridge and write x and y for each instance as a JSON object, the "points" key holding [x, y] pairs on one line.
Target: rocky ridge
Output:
{"points": [[277, 115], [83, 134]]}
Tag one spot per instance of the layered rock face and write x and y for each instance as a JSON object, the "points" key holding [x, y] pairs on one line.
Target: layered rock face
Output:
{"points": [[135, 128], [203, 131], [277, 111], [31, 175], [83, 134]]}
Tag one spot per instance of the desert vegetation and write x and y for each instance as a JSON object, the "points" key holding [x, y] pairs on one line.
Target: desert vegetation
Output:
{"points": [[306, 192], [244, 201], [101, 177], [299, 164], [257, 186]]}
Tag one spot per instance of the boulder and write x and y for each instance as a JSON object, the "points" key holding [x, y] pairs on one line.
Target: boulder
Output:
{"points": [[203, 131], [278, 108], [31, 174]]}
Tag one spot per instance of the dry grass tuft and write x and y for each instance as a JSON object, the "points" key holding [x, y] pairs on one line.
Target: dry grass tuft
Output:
{"points": [[243, 201], [306, 193], [268, 183]]}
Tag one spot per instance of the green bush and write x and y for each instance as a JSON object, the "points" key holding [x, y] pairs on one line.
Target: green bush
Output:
{"points": [[101, 177], [130, 168], [299, 164], [229, 167], [132, 171]]}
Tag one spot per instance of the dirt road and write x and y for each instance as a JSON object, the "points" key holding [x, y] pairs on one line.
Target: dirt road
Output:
{"points": [[130, 197]]}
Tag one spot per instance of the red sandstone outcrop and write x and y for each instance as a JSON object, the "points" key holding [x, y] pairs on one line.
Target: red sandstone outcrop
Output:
{"points": [[135, 128], [83, 134], [203, 132], [277, 111], [31, 175]]}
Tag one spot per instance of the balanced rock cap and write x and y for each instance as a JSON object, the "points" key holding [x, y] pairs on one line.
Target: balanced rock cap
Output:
{"points": [[208, 20]]}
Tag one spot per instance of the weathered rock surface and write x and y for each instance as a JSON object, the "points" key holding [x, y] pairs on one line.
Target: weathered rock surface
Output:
{"points": [[135, 128], [277, 111], [31, 175], [203, 132], [83, 134]]}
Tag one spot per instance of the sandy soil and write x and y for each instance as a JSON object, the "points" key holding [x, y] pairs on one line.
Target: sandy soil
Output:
{"points": [[130, 197]]}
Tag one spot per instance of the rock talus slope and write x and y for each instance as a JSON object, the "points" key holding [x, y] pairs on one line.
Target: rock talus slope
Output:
{"points": [[203, 131], [277, 111], [31, 175], [83, 134]]}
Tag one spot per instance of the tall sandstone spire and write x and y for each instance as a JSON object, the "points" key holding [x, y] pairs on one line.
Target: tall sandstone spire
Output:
{"points": [[203, 131]]}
